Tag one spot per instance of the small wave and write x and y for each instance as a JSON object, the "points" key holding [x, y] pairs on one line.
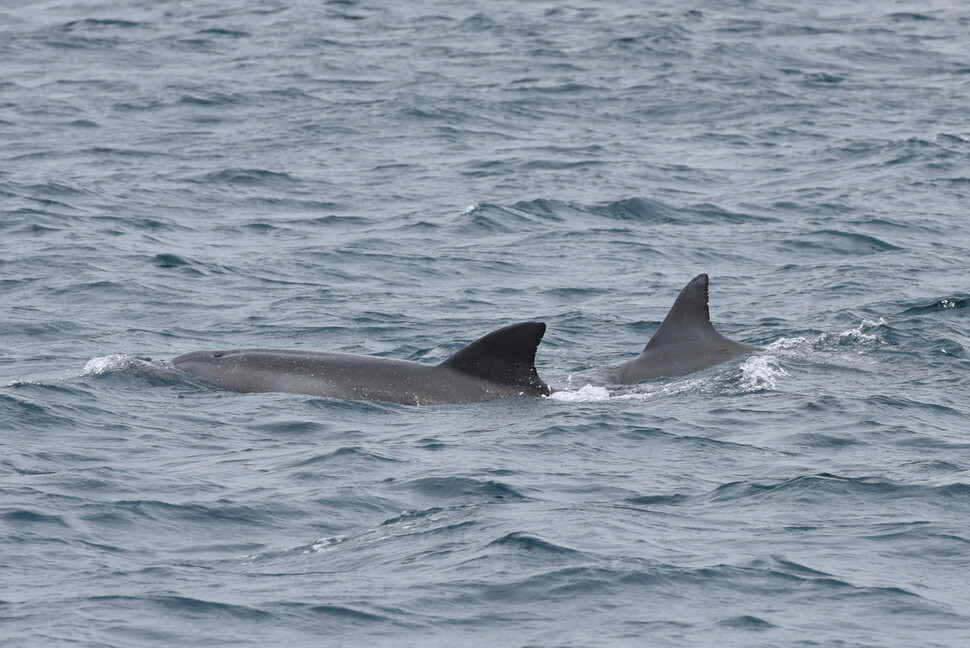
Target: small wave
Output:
{"points": [[346, 613], [411, 515], [24, 518], [656, 500], [290, 427], [191, 513], [909, 16], [167, 260], [247, 177], [461, 488], [231, 33], [188, 605], [39, 411], [819, 487], [94, 23], [945, 304], [429, 521], [822, 440], [343, 456], [578, 216], [497, 218], [340, 615], [637, 209], [528, 542], [838, 243], [747, 622]]}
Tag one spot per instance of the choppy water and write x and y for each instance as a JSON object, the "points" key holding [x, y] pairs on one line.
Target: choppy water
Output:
{"points": [[400, 178]]}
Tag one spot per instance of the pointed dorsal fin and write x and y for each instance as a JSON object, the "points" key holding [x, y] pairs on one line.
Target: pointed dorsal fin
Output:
{"points": [[505, 356], [689, 318]]}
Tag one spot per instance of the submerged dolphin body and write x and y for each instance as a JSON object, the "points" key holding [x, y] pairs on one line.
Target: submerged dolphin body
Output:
{"points": [[499, 365], [685, 342]]}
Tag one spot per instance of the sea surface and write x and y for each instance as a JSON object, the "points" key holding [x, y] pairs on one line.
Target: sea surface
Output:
{"points": [[400, 178]]}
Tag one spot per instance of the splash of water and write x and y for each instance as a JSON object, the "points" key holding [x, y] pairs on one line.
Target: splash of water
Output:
{"points": [[112, 363], [761, 373]]}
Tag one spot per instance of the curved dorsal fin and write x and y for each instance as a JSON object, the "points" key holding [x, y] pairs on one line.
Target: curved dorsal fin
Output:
{"points": [[689, 317], [505, 356]]}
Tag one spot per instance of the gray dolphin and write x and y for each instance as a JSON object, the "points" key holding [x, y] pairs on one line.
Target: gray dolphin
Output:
{"points": [[685, 342], [498, 365]]}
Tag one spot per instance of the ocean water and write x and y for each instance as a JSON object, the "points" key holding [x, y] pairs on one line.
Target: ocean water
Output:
{"points": [[400, 178]]}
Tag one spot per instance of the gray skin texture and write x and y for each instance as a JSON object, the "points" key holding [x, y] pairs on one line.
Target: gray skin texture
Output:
{"points": [[499, 365], [685, 342]]}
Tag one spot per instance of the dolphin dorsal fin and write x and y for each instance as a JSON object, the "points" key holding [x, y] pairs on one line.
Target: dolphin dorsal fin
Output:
{"points": [[505, 356], [689, 318]]}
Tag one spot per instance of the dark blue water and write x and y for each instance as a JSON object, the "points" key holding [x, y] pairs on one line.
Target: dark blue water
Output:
{"points": [[401, 178]]}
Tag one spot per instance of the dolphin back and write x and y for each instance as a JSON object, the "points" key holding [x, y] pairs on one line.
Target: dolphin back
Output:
{"points": [[686, 340], [506, 356], [689, 319]]}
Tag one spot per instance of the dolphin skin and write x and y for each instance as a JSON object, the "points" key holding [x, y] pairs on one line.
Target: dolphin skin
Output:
{"points": [[500, 364], [685, 342]]}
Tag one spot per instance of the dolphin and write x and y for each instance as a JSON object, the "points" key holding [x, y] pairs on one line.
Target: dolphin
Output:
{"points": [[685, 342], [499, 365]]}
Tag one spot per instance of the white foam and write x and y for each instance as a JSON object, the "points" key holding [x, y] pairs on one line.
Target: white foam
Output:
{"points": [[644, 391], [788, 344], [108, 364], [325, 544], [857, 335], [585, 394], [122, 363], [863, 335], [761, 373], [862, 330]]}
